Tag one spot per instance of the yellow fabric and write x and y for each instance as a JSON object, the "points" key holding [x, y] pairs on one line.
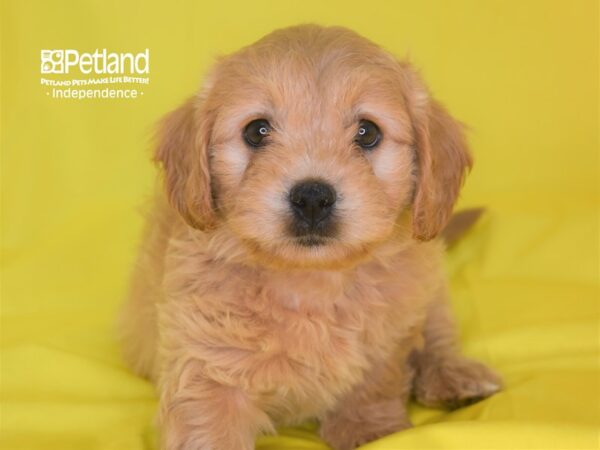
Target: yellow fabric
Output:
{"points": [[524, 76]]}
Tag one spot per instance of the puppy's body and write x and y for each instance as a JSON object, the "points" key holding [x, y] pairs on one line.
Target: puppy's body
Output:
{"points": [[241, 328]]}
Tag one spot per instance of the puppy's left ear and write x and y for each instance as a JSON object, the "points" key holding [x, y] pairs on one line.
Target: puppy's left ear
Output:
{"points": [[182, 151], [443, 159]]}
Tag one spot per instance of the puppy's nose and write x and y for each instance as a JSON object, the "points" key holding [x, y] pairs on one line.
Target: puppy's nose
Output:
{"points": [[312, 201]]}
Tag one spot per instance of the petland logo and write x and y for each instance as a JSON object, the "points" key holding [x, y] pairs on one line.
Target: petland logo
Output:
{"points": [[77, 75], [100, 62]]}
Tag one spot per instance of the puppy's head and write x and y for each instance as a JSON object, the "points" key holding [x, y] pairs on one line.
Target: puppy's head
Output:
{"points": [[310, 146]]}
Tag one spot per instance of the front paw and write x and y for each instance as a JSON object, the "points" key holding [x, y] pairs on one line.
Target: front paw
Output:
{"points": [[454, 382], [348, 430]]}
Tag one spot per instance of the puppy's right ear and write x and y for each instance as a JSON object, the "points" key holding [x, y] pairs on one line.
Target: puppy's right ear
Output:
{"points": [[443, 157], [182, 152]]}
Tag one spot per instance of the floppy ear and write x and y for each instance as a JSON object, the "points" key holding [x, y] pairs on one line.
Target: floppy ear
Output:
{"points": [[442, 156], [182, 152]]}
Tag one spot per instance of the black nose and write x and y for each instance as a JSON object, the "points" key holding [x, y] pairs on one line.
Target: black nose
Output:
{"points": [[312, 201]]}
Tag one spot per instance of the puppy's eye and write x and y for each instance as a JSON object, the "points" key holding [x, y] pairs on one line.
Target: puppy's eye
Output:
{"points": [[256, 131], [368, 135]]}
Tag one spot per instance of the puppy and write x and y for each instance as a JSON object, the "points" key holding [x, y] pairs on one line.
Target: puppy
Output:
{"points": [[291, 271]]}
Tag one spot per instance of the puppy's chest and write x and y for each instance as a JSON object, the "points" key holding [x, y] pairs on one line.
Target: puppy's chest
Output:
{"points": [[307, 337]]}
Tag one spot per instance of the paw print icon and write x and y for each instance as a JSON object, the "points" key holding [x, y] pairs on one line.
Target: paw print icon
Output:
{"points": [[52, 61]]}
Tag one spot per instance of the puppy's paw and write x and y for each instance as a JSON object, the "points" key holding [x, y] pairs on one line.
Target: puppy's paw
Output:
{"points": [[455, 382], [351, 429]]}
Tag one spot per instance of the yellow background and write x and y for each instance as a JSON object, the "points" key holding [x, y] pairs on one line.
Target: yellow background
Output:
{"points": [[523, 74]]}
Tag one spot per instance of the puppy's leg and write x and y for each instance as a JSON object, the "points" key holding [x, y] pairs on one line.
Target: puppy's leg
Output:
{"points": [[375, 408], [137, 328], [137, 324], [197, 413], [444, 378]]}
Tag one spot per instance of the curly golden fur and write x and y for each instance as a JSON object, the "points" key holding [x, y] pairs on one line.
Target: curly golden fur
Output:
{"points": [[244, 327]]}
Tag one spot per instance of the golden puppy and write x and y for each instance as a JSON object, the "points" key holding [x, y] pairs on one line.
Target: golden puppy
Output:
{"points": [[291, 270]]}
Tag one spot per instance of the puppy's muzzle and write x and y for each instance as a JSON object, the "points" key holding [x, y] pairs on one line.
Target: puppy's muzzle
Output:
{"points": [[312, 203]]}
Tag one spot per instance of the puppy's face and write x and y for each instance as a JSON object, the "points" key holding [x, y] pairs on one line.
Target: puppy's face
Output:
{"points": [[309, 146]]}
